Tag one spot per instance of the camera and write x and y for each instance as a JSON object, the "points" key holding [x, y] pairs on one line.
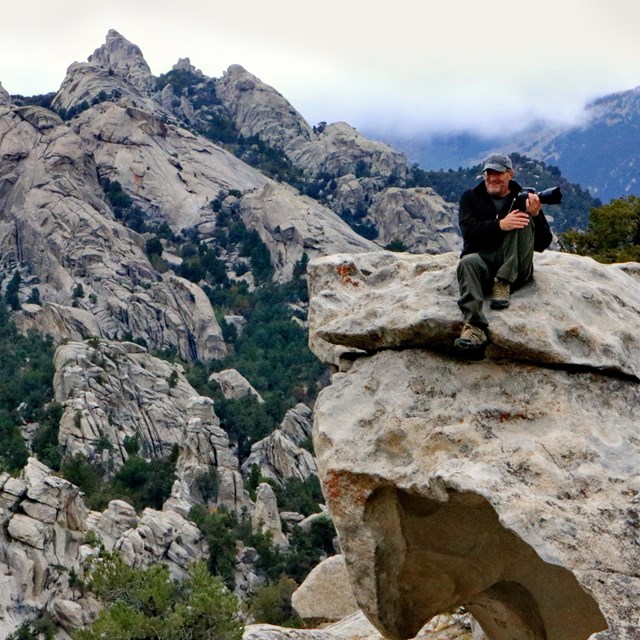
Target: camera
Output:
{"points": [[548, 196]]}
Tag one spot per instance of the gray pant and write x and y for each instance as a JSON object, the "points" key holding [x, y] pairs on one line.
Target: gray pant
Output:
{"points": [[512, 262]]}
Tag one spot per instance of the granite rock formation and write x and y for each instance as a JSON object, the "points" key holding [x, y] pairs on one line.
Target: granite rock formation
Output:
{"points": [[265, 517], [118, 393], [281, 455], [419, 218], [507, 486], [362, 172], [259, 110], [234, 385], [292, 225], [357, 627], [44, 543], [55, 221], [5, 98], [137, 138], [325, 595]]}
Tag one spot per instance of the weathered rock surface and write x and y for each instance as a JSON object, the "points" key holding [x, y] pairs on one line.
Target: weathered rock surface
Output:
{"points": [[265, 517], [234, 385], [357, 627], [575, 313], [113, 391], [118, 393], [291, 225], [361, 168], [58, 321], [171, 174], [116, 69], [5, 98], [259, 110], [279, 455], [42, 519], [43, 542], [248, 577], [205, 449], [508, 486], [162, 536], [325, 595], [419, 218], [55, 220]]}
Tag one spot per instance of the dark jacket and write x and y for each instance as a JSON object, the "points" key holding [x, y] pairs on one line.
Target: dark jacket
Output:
{"points": [[479, 222]]}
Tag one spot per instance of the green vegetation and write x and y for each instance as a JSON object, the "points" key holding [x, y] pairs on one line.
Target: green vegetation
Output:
{"points": [[272, 352], [298, 495], [613, 234], [396, 245], [147, 603], [272, 604], [123, 207], [284, 569], [142, 483], [26, 377], [43, 628], [12, 292], [77, 109], [40, 100]]}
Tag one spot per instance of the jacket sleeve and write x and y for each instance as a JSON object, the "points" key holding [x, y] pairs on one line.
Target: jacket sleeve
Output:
{"points": [[542, 233], [478, 233]]}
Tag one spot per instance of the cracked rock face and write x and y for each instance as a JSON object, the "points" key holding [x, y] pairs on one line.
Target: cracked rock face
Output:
{"points": [[55, 219], [507, 486], [421, 219]]}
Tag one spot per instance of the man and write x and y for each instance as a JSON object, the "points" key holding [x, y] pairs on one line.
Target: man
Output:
{"points": [[498, 246]]}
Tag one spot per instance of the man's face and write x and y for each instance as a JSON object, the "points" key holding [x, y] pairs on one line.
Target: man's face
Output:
{"points": [[497, 182]]}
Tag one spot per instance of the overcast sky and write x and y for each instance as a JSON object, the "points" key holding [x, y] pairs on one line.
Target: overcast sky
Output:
{"points": [[407, 65]]}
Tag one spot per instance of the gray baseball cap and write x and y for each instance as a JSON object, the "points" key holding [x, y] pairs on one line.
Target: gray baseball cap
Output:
{"points": [[498, 162]]}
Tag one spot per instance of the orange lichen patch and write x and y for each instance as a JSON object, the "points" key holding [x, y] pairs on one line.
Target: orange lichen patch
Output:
{"points": [[345, 271], [344, 491]]}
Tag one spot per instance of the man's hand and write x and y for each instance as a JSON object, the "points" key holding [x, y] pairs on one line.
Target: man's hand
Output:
{"points": [[520, 219], [514, 220], [533, 204]]}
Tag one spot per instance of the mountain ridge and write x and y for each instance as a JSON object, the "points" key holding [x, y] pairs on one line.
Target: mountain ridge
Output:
{"points": [[599, 151], [151, 226]]}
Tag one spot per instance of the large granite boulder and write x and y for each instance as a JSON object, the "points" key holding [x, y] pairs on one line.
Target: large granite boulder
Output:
{"points": [[41, 536], [280, 455], [325, 595], [507, 486], [266, 518], [234, 385]]}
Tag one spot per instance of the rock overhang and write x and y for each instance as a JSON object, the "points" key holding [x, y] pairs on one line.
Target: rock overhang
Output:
{"points": [[575, 312], [535, 444]]}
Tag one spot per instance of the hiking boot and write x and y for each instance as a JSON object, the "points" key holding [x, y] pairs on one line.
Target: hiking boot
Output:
{"points": [[500, 294], [471, 338]]}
